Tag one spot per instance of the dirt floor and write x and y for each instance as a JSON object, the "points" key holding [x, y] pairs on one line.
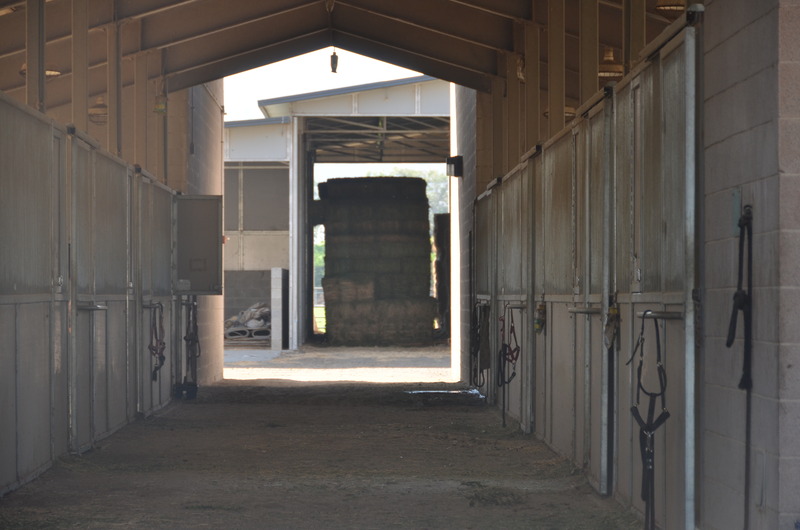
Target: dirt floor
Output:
{"points": [[344, 455]]}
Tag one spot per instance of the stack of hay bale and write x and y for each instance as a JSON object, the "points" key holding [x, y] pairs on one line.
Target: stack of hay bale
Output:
{"points": [[377, 261]]}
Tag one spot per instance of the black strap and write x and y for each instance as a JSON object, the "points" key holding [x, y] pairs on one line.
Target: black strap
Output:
{"points": [[157, 344], [742, 300], [192, 339], [509, 349], [477, 378], [648, 427]]}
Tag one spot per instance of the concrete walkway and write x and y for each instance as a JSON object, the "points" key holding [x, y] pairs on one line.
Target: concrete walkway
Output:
{"points": [[325, 363], [344, 456]]}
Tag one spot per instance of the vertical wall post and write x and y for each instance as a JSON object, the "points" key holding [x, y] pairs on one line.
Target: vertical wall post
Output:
{"points": [[555, 65], [589, 42], [34, 60], [80, 64]]}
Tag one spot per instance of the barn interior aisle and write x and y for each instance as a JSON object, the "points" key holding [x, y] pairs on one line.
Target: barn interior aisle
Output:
{"points": [[294, 455]]}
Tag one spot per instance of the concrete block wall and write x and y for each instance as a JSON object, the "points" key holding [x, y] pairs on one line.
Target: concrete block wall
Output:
{"points": [[787, 354], [750, 150], [466, 110], [196, 168]]}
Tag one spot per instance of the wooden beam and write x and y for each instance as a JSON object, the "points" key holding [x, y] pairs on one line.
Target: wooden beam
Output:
{"points": [[634, 31], [532, 85], [556, 78], [34, 62], [80, 64], [114, 90], [589, 49]]}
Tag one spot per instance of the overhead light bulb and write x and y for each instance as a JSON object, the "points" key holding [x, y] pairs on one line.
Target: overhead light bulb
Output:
{"points": [[609, 69]]}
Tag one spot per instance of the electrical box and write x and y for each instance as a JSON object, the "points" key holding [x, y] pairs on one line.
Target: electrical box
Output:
{"points": [[199, 244]]}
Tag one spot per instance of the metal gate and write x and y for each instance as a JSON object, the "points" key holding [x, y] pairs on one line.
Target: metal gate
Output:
{"points": [[610, 232], [654, 193]]}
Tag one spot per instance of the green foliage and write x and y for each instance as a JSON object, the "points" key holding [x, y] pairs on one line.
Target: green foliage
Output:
{"points": [[438, 188]]}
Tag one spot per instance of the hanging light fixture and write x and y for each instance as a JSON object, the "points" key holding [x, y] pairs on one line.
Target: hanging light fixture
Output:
{"points": [[50, 71], [609, 69], [98, 113], [334, 61], [670, 9], [329, 5]]}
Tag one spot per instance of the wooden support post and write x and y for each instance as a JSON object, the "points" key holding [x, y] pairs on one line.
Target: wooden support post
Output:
{"points": [[589, 44], [532, 85], [556, 69], [499, 142], [140, 110], [34, 60], [80, 64], [114, 61], [634, 18]]}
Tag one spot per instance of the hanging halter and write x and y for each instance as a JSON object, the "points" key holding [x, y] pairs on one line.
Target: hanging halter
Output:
{"points": [[477, 378], [742, 299], [157, 344], [509, 350], [647, 428]]}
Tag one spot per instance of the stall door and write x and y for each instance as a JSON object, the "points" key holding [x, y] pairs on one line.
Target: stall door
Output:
{"points": [[654, 268]]}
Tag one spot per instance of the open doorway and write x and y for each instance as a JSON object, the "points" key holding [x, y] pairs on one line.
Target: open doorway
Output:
{"points": [[392, 128]]}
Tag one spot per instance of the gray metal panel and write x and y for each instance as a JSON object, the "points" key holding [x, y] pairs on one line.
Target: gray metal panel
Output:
{"points": [[145, 236], [265, 199], [652, 221], [60, 392], [199, 244], [82, 409], [558, 253], [562, 382], [622, 270], [596, 160], [26, 214], [674, 156], [83, 199], [483, 226], [33, 388], [513, 249], [161, 240], [673, 435], [99, 375], [111, 230], [8, 396], [117, 364], [231, 198]]}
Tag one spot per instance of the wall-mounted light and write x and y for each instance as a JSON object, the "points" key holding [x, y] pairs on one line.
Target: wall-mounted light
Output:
{"points": [[98, 113], [455, 166], [50, 71], [160, 105], [670, 9], [609, 69], [334, 61]]}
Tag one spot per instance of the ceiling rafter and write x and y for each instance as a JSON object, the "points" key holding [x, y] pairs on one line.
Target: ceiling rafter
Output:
{"points": [[421, 63], [460, 22], [415, 40]]}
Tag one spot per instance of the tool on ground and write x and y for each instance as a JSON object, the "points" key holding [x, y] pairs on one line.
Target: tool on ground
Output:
{"points": [[648, 427]]}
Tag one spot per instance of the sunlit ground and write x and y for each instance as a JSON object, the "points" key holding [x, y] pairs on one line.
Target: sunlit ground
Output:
{"points": [[316, 364]]}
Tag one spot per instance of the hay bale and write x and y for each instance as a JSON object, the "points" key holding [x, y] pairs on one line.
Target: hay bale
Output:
{"points": [[377, 261]]}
